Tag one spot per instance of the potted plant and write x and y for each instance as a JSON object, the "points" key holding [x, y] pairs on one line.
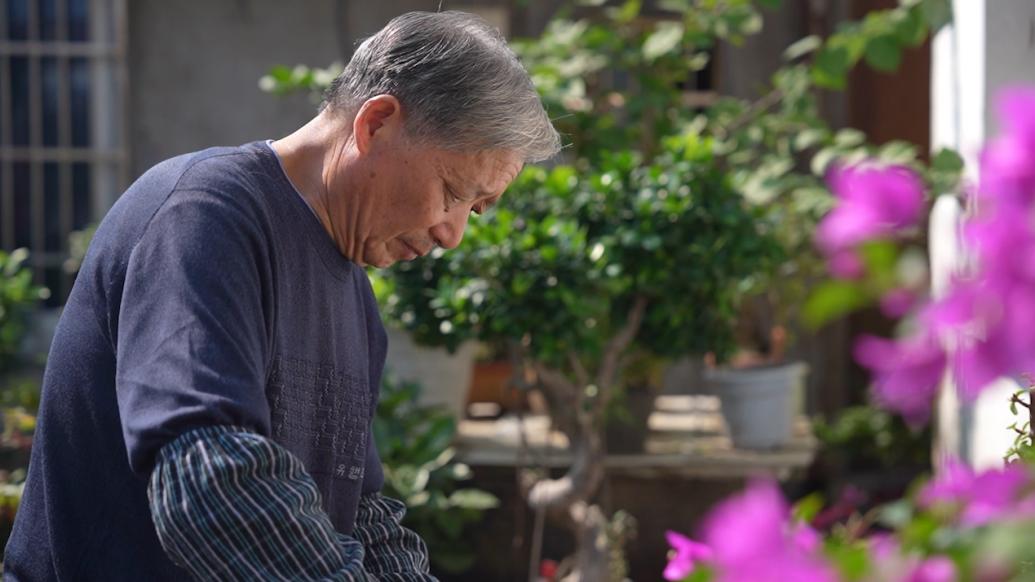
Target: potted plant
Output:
{"points": [[428, 341], [414, 443]]}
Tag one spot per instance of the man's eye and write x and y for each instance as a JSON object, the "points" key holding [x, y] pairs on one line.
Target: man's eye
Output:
{"points": [[452, 199]]}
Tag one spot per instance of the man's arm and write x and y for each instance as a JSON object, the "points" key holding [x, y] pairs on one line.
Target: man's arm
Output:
{"points": [[230, 504]]}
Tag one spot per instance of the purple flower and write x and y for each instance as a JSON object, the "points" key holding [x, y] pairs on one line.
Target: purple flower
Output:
{"points": [[988, 327], [883, 546], [953, 483], [875, 202], [1016, 108], [1004, 243], [982, 497], [933, 569], [846, 264], [685, 555], [753, 540], [1008, 162], [897, 302], [906, 373]]}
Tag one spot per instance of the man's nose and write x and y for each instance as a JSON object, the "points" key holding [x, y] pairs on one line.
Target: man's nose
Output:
{"points": [[450, 232]]}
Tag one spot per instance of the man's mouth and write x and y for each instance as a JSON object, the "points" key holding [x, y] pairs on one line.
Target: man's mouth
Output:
{"points": [[413, 251]]}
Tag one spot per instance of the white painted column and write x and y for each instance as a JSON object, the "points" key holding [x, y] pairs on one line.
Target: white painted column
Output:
{"points": [[989, 45]]}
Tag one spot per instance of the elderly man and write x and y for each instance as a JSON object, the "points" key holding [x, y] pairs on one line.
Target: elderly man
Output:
{"points": [[208, 398]]}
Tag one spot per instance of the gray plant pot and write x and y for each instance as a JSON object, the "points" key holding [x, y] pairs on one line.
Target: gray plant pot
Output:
{"points": [[760, 404]]}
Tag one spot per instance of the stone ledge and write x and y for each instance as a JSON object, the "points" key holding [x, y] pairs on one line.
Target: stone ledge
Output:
{"points": [[687, 438]]}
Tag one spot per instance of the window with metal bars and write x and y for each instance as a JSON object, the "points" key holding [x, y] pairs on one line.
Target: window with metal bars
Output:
{"points": [[63, 158]]}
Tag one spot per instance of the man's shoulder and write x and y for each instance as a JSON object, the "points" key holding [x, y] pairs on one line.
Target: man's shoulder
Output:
{"points": [[217, 184], [215, 169]]}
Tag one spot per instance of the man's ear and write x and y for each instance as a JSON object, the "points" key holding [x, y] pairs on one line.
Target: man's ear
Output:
{"points": [[379, 116]]}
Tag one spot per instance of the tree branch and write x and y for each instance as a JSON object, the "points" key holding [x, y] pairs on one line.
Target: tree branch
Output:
{"points": [[581, 375], [753, 111], [618, 344], [579, 484]]}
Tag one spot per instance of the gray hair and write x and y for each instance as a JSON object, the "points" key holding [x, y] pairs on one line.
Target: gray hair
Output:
{"points": [[460, 85]]}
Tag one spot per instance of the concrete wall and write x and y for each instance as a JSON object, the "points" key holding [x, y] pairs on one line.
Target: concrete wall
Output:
{"points": [[194, 66]]}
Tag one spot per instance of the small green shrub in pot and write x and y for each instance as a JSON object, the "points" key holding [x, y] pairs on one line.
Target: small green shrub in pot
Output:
{"points": [[414, 443]]}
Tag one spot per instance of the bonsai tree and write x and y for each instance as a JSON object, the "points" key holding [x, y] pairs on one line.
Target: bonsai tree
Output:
{"points": [[618, 75], [579, 274]]}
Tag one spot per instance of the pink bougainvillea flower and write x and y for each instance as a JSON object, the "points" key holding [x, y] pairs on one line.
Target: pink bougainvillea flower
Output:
{"points": [[875, 202], [805, 538], [982, 497], [933, 569], [685, 555], [753, 540], [1008, 161], [906, 373], [987, 327], [897, 302], [883, 546], [1008, 174], [953, 482], [846, 264], [1016, 109], [967, 322], [747, 524], [1005, 246]]}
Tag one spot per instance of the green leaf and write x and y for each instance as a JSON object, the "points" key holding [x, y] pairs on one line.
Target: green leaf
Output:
{"points": [[896, 515], [897, 152], [802, 47], [700, 574], [849, 137], [912, 29], [880, 258], [937, 12], [822, 160], [831, 67], [627, 12], [884, 53], [663, 40], [831, 300], [450, 522], [453, 559], [947, 160], [473, 499], [808, 507], [853, 562], [809, 137]]}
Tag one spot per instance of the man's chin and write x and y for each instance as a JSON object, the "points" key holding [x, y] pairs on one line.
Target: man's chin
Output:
{"points": [[382, 262]]}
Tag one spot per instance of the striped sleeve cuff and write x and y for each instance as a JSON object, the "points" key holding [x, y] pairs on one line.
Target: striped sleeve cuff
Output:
{"points": [[229, 504], [393, 552]]}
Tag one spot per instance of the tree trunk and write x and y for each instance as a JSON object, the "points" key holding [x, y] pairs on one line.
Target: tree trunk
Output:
{"points": [[593, 545]]}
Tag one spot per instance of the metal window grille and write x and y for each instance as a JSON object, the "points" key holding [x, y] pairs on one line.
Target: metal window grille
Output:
{"points": [[63, 93]]}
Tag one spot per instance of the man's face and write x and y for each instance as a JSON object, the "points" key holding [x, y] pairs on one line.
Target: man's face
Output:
{"points": [[420, 197]]}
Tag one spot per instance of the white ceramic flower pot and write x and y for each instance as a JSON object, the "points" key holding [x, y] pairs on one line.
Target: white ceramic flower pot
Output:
{"points": [[444, 378]]}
